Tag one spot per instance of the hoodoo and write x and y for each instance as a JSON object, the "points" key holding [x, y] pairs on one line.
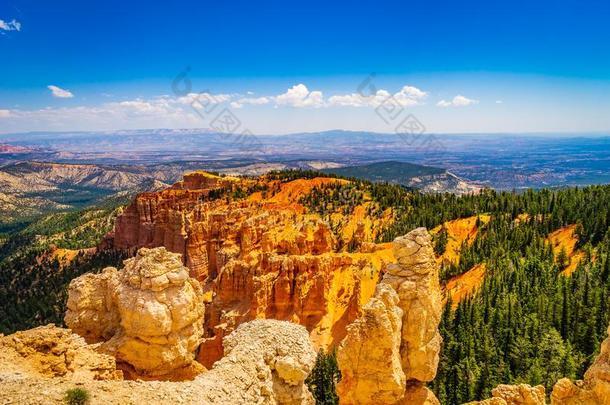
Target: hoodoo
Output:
{"points": [[392, 350], [149, 314]]}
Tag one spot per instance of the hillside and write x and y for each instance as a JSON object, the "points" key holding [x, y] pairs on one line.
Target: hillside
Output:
{"points": [[38, 261], [424, 178], [37, 188]]}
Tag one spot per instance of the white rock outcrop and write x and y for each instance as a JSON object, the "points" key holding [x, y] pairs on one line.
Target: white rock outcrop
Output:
{"points": [[266, 362], [148, 314]]}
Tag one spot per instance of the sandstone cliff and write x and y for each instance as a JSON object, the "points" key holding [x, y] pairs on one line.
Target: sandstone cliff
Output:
{"points": [[149, 315], [259, 256], [393, 349]]}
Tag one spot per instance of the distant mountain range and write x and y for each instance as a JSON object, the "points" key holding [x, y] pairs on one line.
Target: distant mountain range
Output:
{"points": [[499, 161], [423, 178], [33, 188]]}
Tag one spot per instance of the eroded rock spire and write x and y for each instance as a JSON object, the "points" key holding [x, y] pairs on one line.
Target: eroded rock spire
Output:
{"points": [[392, 350]]}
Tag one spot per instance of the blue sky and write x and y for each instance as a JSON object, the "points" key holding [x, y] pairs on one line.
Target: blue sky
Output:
{"points": [[469, 66]]}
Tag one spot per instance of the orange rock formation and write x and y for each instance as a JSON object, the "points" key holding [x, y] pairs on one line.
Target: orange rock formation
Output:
{"points": [[260, 255], [393, 349]]}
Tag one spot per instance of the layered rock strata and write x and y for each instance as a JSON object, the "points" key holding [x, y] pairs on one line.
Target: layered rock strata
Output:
{"points": [[392, 350], [262, 256], [149, 314]]}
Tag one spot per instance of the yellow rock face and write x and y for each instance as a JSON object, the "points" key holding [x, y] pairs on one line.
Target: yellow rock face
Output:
{"points": [[522, 394], [149, 314], [369, 355]]}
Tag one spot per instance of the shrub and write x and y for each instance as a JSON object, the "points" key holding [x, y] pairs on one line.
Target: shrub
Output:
{"points": [[324, 377], [77, 396]]}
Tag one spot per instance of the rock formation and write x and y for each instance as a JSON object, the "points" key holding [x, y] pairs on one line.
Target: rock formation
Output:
{"points": [[369, 356], [266, 362], [49, 351], [262, 256], [393, 349], [522, 394], [148, 315], [595, 389]]}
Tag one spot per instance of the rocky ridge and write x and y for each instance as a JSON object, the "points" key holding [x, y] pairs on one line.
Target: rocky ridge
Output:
{"points": [[49, 351], [266, 362]]}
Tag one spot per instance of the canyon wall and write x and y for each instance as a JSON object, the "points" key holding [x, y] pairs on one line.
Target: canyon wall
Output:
{"points": [[259, 256]]}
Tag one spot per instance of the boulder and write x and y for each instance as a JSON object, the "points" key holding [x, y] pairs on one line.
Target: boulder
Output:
{"points": [[266, 362]]}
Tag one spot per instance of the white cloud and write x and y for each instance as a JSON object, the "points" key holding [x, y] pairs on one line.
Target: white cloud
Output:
{"points": [[499, 101], [5, 113], [458, 101], [202, 100], [138, 113], [59, 92], [300, 96], [13, 25], [239, 103], [407, 96]]}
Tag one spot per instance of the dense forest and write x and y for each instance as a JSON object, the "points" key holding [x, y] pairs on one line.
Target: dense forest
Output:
{"points": [[34, 270]]}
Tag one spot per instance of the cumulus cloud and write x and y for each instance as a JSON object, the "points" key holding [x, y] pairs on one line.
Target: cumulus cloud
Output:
{"points": [[13, 25], [300, 96], [457, 101], [407, 96], [59, 92], [186, 111]]}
